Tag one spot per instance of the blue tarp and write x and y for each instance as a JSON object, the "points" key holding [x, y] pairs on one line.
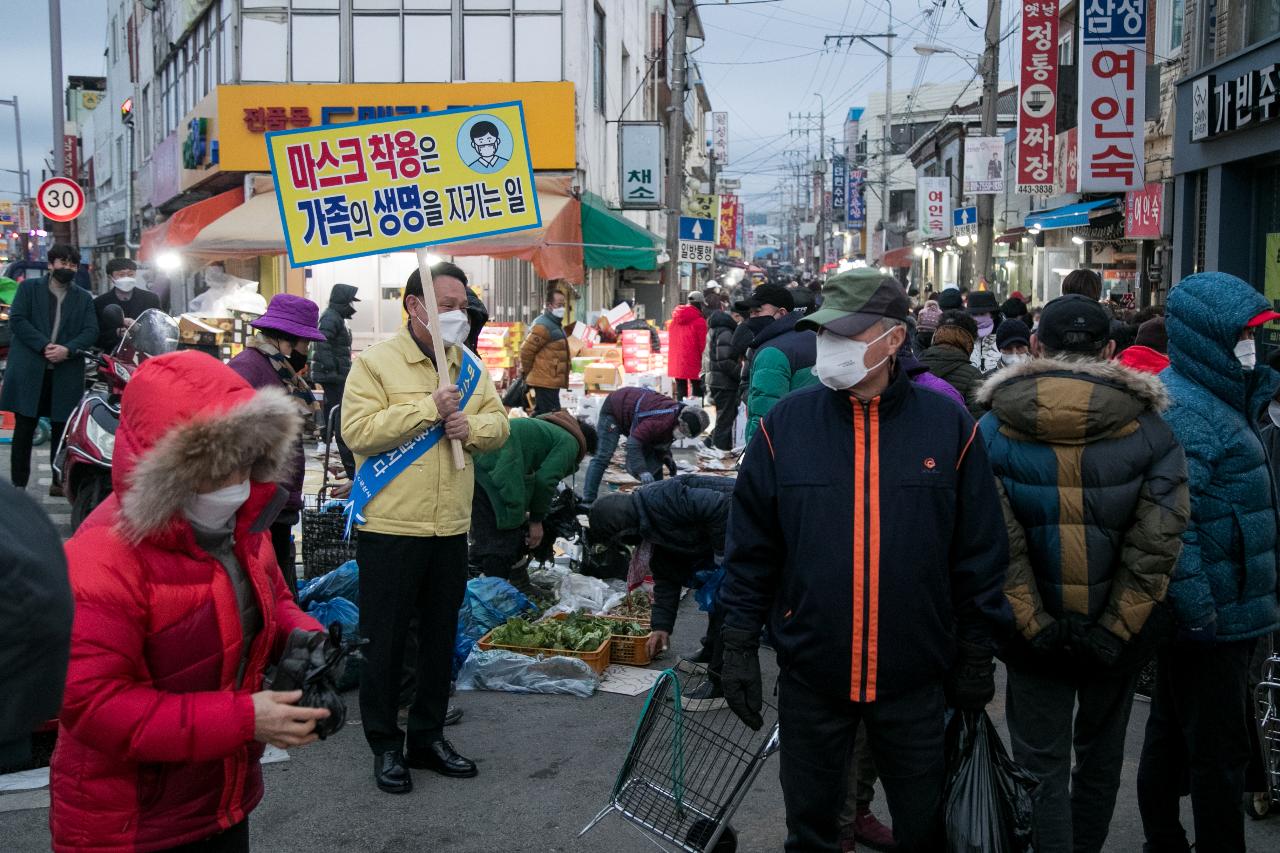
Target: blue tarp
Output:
{"points": [[1072, 215]]}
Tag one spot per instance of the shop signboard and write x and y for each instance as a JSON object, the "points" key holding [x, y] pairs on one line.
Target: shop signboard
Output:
{"points": [[1144, 212], [1240, 101], [702, 205], [720, 137], [983, 165], [71, 156], [727, 232], [933, 207], [839, 184], [1112, 95], [855, 214], [1066, 170], [640, 164], [1038, 97], [391, 184]]}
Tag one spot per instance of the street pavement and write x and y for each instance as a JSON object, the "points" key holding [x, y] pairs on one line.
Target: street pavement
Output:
{"points": [[547, 765]]}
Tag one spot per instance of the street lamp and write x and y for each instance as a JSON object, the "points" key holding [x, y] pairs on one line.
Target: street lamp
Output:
{"points": [[971, 59]]}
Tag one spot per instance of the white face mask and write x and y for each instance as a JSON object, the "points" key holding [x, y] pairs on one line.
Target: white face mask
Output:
{"points": [[1247, 354], [558, 313], [124, 285], [841, 362], [454, 326], [213, 510], [1014, 358]]}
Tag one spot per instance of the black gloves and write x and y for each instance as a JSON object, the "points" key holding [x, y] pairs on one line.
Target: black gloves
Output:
{"points": [[972, 681], [1051, 637], [1103, 645], [740, 675]]}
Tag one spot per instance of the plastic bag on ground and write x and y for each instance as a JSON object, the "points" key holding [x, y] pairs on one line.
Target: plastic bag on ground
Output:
{"points": [[987, 802], [499, 669], [579, 592], [343, 582], [488, 603]]}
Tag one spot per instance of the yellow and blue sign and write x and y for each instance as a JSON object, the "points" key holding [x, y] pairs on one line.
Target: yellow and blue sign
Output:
{"points": [[383, 185]]}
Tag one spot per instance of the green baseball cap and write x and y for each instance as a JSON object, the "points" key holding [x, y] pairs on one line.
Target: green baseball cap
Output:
{"points": [[855, 299]]}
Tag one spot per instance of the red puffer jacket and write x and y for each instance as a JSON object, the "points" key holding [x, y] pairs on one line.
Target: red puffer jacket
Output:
{"points": [[688, 336], [156, 747]]}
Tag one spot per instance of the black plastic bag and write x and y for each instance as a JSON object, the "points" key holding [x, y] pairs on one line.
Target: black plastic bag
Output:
{"points": [[987, 802], [517, 396], [313, 662]]}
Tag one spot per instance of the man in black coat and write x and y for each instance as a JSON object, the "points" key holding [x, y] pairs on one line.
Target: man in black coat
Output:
{"points": [[724, 372], [124, 292], [331, 359]]}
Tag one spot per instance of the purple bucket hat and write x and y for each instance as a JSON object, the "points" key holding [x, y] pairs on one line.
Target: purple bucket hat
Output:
{"points": [[293, 315]]}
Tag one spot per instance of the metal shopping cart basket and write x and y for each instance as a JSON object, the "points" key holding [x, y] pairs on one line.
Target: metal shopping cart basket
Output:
{"points": [[324, 521], [1266, 695], [687, 773]]}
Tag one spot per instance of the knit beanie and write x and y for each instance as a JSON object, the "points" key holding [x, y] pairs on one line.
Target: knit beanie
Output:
{"points": [[1152, 334], [950, 300], [930, 314]]}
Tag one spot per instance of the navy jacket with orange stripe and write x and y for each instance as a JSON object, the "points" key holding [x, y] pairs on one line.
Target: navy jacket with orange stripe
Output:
{"points": [[870, 557]]}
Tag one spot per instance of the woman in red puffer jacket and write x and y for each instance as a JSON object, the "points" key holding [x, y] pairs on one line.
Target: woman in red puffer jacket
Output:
{"points": [[179, 608], [688, 336]]}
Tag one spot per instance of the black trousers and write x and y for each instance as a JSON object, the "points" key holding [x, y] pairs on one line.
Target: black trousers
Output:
{"points": [[402, 577], [1073, 807], [906, 738], [1197, 742], [233, 840], [24, 432], [286, 554], [545, 401], [684, 386], [333, 400], [726, 403]]}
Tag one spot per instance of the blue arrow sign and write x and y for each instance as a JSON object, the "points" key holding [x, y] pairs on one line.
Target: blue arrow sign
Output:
{"points": [[962, 216], [697, 229]]}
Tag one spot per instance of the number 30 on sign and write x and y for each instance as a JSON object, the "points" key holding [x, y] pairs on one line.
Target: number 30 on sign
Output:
{"points": [[60, 199]]}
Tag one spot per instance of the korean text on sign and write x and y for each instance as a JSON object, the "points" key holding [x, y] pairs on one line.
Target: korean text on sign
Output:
{"points": [[1112, 94], [395, 183], [1038, 97]]}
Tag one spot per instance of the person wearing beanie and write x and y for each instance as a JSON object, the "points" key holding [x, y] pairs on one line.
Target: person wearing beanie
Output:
{"points": [[984, 309], [1014, 341], [1149, 347], [1017, 294], [926, 323], [951, 300], [948, 358], [651, 422], [1015, 309], [1094, 489]]}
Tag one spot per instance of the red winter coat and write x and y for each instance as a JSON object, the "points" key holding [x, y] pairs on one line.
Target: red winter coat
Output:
{"points": [[156, 747], [1143, 358], [688, 336]]}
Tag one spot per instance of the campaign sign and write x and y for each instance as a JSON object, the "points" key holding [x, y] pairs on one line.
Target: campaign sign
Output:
{"points": [[382, 185]]}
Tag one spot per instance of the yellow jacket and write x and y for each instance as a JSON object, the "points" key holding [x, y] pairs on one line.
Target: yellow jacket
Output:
{"points": [[387, 401]]}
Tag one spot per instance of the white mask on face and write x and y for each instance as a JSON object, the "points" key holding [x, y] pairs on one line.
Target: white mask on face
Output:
{"points": [[213, 510], [558, 313], [454, 326], [841, 362], [1247, 354], [1014, 358], [124, 285]]}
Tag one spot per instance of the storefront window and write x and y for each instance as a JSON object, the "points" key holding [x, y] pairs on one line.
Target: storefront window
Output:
{"points": [[428, 49], [428, 4], [375, 48], [1264, 19], [315, 48], [537, 5], [486, 48], [537, 47], [502, 5], [264, 49]]}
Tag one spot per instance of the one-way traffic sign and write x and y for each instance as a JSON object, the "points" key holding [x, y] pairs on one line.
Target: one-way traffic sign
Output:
{"points": [[964, 221], [697, 229]]}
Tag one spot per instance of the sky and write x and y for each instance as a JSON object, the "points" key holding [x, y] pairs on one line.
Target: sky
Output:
{"points": [[763, 60], [25, 24]]}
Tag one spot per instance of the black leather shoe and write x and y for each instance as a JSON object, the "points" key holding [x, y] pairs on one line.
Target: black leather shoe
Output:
{"points": [[391, 774], [441, 757], [453, 716]]}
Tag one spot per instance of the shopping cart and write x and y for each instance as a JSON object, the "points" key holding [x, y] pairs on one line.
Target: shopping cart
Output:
{"points": [[1266, 697], [324, 521], [687, 773]]}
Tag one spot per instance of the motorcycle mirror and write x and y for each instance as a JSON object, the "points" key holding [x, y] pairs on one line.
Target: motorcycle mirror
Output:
{"points": [[113, 315]]}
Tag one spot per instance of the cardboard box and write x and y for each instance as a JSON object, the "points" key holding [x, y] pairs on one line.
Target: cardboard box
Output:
{"points": [[603, 377]]}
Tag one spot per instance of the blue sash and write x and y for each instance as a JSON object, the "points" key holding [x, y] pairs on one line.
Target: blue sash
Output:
{"points": [[378, 471]]}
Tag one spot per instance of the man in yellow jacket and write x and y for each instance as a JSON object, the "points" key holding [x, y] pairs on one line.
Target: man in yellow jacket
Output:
{"points": [[412, 548]]}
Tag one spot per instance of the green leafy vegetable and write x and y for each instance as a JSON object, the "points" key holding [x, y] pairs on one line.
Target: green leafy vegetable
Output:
{"points": [[577, 633]]}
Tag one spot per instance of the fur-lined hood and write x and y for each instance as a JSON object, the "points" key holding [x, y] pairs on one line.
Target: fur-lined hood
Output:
{"points": [[187, 420], [1066, 401]]}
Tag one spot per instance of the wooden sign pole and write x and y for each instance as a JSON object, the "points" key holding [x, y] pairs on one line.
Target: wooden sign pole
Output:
{"points": [[437, 340]]}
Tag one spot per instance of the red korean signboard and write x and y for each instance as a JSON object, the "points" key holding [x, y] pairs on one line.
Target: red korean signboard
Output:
{"points": [[1038, 97], [1144, 212], [727, 232], [1113, 63]]}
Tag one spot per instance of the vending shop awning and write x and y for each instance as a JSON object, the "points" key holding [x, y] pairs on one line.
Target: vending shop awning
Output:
{"points": [[250, 230], [610, 240], [180, 229], [899, 258], [1072, 215]]}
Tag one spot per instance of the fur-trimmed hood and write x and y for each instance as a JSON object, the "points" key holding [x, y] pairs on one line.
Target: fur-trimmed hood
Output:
{"points": [[187, 420], [1071, 402]]}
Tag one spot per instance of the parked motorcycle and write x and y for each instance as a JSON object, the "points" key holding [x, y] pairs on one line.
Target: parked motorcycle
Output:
{"points": [[83, 460]]}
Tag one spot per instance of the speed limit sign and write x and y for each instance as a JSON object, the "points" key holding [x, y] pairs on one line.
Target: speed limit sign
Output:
{"points": [[60, 199]]}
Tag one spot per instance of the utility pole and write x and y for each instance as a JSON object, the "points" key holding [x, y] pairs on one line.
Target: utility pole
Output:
{"points": [[24, 188], [60, 232], [986, 202], [675, 156], [820, 169], [711, 173], [886, 144]]}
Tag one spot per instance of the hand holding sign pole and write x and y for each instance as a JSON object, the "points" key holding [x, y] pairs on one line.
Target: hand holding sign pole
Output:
{"points": [[437, 338]]}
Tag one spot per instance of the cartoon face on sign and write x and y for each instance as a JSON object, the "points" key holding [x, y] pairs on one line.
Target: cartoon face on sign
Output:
{"points": [[484, 144]]}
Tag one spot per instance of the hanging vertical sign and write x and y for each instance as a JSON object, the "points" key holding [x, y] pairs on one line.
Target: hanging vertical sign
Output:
{"points": [[933, 207], [983, 165], [1038, 97], [720, 138], [640, 164], [839, 184], [727, 227], [1112, 95], [855, 212]]}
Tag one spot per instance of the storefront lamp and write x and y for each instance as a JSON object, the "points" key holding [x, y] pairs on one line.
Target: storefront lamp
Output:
{"points": [[884, 270], [1034, 229], [963, 240], [168, 261], [1077, 239], [918, 251]]}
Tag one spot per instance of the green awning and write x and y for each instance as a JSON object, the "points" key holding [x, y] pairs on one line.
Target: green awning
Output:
{"points": [[611, 240]]}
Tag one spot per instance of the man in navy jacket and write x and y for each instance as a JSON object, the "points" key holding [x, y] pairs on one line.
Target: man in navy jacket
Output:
{"points": [[878, 564]]}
